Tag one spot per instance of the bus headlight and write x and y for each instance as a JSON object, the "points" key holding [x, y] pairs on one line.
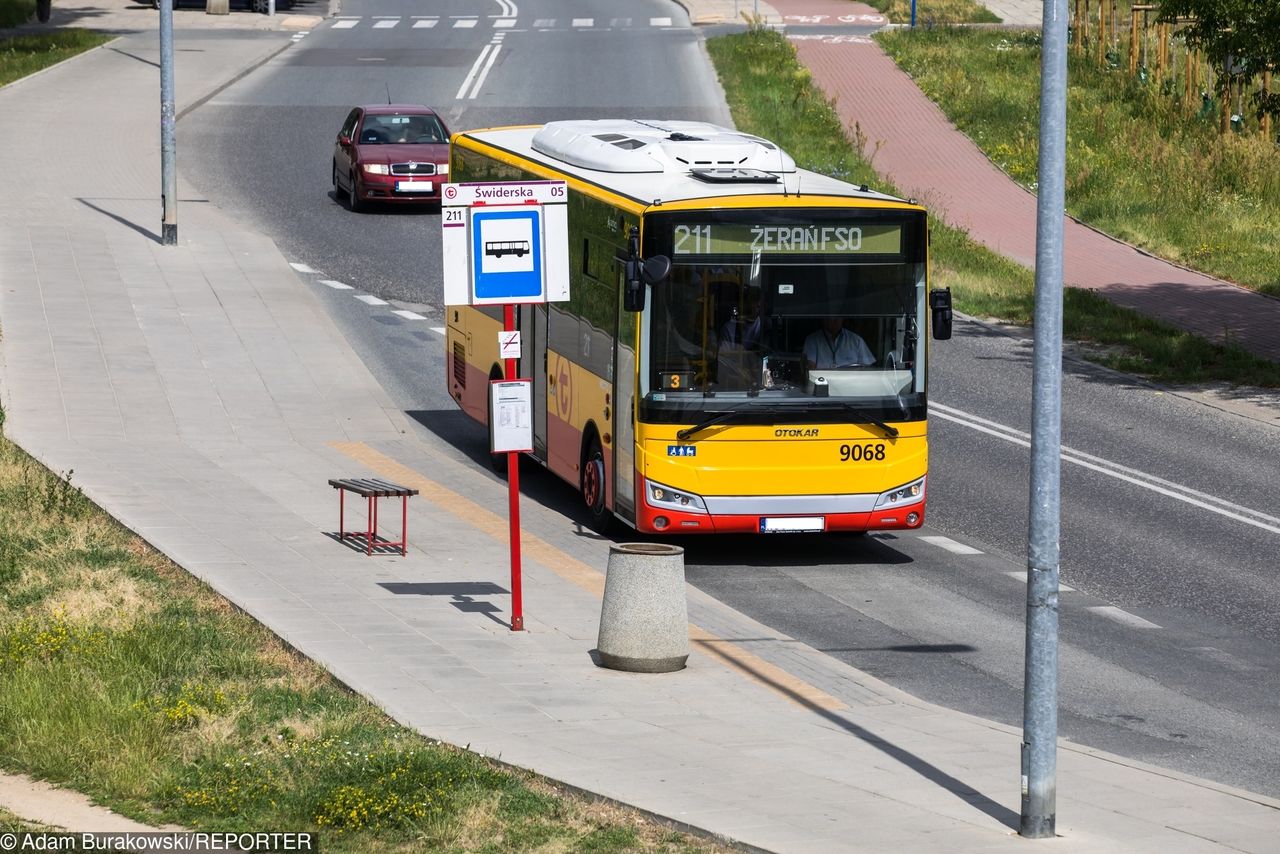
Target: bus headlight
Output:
{"points": [[674, 499], [910, 493]]}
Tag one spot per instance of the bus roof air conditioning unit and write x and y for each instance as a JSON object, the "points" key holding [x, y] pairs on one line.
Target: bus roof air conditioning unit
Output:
{"points": [[627, 145]]}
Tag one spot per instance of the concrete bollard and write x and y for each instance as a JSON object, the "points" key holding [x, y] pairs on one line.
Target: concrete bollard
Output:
{"points": [[644, 620]]}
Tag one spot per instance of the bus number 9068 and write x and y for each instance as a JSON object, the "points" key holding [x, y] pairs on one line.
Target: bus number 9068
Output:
{"points": [[861, 453]]}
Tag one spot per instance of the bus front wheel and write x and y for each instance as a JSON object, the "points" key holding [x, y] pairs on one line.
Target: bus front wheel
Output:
{"points": [[593, 487]]}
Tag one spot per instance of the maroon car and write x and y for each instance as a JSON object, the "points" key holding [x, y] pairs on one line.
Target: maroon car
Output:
{"points": [[391, 153]]}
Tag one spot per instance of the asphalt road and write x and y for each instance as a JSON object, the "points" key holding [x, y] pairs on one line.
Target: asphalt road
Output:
{"points": [[1170, 517]]}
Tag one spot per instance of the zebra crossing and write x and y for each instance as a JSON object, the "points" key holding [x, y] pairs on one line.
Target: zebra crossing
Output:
{"points": [[465, 22]]}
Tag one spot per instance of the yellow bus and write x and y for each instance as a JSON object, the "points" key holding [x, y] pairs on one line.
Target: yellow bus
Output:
{"points": [[745, 346]]}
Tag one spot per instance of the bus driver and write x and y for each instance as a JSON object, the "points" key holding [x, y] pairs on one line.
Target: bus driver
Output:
{"points": [[833, 346]]}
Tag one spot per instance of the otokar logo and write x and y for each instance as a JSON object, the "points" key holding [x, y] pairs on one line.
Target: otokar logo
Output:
{"points": [[796, 432]]}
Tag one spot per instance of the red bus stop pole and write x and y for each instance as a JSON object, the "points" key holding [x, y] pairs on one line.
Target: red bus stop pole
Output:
{"points": [[513, 493]]}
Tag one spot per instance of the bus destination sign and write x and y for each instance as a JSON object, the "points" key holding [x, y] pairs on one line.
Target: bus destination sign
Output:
{"points": [[825, 239]]}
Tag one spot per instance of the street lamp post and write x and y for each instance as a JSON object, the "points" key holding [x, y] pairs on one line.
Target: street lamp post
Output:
{"points": [[168, 130]]}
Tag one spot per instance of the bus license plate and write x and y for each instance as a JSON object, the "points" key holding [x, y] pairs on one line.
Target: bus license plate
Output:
{"points": [[413, 186], [792, 524]]}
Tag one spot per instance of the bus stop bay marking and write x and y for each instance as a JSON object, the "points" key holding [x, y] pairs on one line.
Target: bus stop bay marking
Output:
{"points": [[569, 568]]}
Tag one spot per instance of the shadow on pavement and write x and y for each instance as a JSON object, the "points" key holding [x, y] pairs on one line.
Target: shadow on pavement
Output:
{"points": [[462, 592], [930, 772]]}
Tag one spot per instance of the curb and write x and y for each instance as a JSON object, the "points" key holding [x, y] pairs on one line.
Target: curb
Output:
{"points": [[49, 68], [236, 78]]}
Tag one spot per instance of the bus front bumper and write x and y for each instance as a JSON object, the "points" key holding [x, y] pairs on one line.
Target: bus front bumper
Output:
{"points": [[779, 514]]}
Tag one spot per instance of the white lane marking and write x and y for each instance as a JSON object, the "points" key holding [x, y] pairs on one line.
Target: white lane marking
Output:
{"points": [[1022, 576], [659, 22], [439, 330], [508, 8], [301, 268], [504, 23], [429, 22], [1122, 616], [464, 23], [336, 285], [369, 299], [408, 315], [584, 22], [620, 22], [475, 90], [386, 25], [950, 545], [346, 23], [1177, 491], [545, 23], [475, 68]]}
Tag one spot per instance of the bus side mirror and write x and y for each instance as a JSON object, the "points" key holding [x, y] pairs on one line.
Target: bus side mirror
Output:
{"points": [[632, 288], [940, 305], [651, 271]]}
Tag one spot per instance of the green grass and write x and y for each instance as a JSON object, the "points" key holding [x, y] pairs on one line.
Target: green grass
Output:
{"points": [[123, 677], [27, 54], [15, 12], [931, 12], [1139, 165], [771, 95]]}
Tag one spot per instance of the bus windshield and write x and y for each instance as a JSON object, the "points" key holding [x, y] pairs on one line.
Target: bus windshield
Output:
{"points": [[798, 329]]}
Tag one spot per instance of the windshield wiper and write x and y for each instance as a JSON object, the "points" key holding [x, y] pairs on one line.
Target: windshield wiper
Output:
{"points": [[720, 417], [861, 417], [716, 418]]}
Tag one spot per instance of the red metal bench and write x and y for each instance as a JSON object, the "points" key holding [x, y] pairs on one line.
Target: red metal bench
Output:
{"points": [[372, 489]]}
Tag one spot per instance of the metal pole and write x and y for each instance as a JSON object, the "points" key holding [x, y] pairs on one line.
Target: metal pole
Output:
{"points": [[271, 8], [168, 129], [1040, 688], [913, 14], [513, 493]]}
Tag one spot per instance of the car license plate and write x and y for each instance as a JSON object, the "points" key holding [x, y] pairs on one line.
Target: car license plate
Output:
{"points": [[792, 524], [413, 186]]}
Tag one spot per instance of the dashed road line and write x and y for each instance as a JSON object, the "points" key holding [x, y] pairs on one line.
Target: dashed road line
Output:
{"points": [[408, 315], [1120, 615], [464, 23], [424, 24], [584, 22], [1022, 576], [370, 299], [659, 22], [951, 545], [385, 25], [336, 285], [439, 330], [504, 23], [346, 23], [301, 268]]}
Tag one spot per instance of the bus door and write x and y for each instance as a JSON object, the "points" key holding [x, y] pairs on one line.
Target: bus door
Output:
{"points": [[624, 408], [533, 363]]}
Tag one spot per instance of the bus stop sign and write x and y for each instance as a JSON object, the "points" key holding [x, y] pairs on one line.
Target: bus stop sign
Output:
{"points": [[505, 242]]}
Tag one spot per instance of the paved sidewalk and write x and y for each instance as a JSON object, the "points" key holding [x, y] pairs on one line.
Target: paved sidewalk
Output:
{"points": [[125, 16], [203, 396]]}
